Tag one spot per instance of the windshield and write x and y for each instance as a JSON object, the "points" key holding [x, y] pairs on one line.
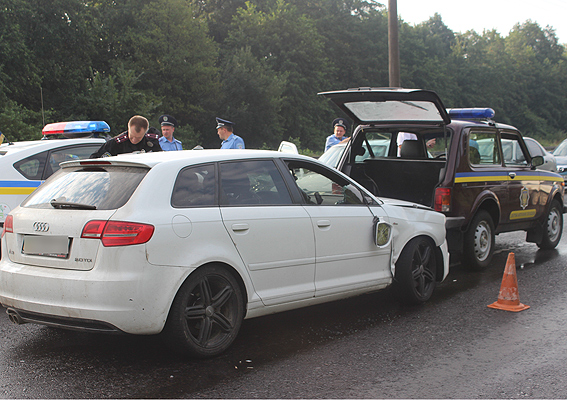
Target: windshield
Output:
{"points": [[105, 188]]}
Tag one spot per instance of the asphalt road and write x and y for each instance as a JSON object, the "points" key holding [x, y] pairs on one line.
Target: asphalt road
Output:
{"points": [[367, 347]]}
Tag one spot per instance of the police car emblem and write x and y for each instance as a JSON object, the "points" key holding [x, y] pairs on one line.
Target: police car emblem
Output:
{"points": [[524, 197]]}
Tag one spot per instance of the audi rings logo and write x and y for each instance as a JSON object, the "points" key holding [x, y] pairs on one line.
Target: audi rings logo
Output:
{"points": [[40, 226]]}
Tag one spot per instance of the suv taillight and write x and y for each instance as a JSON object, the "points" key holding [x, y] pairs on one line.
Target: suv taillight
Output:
{"points": [[117, 233], [443, 199], [8, 225]]}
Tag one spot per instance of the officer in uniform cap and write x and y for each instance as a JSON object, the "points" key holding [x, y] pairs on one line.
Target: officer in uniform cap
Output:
{"points": [[167, 141], [340, 126], [229, 139], [137, 139]]}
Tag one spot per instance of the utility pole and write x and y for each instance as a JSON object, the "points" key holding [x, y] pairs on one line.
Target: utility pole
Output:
{"points": [[393, 44]]}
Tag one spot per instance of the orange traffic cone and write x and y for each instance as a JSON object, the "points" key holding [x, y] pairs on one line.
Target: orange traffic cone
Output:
{"points": [[508, 298]]}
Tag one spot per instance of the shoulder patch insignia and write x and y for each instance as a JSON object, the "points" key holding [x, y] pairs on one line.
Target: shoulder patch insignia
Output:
{"points": [[152, 136], [122, 137]]}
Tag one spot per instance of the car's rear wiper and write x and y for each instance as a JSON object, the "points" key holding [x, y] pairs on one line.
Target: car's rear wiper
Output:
{"points": [[68, 204], [409, 103]]}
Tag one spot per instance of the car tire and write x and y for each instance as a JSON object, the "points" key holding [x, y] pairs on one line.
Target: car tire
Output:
{"points": [[479, 241], [416, 271], [206, 314], [553, 227]]}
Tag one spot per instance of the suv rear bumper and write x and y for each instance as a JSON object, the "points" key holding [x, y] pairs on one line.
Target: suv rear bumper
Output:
{"points": [[454, 222]]}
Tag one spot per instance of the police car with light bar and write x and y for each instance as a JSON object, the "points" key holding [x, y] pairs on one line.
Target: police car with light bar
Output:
{"points": [[477, 172], [26, 165]]}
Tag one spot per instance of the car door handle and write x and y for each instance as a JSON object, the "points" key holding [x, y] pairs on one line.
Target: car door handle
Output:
{"points": [[323, 223], [240, 227], [512, 175]]}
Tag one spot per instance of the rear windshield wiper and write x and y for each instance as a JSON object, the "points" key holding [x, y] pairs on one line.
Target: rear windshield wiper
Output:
{"points": [[69, 204]]}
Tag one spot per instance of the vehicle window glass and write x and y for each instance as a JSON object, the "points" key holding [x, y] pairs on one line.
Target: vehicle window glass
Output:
{"points": [[561, 150], [105, 188], [322, 187], [332, 156], [253, 182], [195, 187], [58, 156], [32, 167], [437, 142], [375, 144], [513, 154], [533, 148], [487, 145]]}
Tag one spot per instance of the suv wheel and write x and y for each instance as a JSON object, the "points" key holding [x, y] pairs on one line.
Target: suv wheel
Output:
{"points": [[553, 227], [479, 241], [206, 314], [416, 271]]}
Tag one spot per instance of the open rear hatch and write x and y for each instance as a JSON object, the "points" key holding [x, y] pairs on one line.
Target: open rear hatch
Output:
{"points": [[381, 106]]}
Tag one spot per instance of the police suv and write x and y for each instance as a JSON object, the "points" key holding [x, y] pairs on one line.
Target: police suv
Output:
{"points": [[477, 172]]}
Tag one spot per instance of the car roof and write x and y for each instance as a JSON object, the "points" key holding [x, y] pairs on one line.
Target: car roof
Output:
{"points": [[40, 145], [150, 160]]}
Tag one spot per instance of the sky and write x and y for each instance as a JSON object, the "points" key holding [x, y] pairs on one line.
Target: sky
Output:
{"points": [[478, 15]]}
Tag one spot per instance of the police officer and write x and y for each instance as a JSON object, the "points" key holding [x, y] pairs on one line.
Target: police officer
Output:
{"points": [[229, 139], [167, 141], [340, 126], [137, 139]]}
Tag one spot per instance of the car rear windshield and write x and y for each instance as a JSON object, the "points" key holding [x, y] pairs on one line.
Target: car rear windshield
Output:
{"points": [[106, 188]]}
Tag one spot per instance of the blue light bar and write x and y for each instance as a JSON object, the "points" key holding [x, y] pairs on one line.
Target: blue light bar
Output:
{"points": [[75, 127], [471, 113]]}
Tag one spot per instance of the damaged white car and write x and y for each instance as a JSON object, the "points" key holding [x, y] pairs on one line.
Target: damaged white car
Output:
{"points": [[191, 243]]}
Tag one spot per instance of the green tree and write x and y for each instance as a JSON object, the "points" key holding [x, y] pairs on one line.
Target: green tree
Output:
{"points": [[170, 52], [288, 42], [253, 96], [538, 74], [19, 123], [114, 99]]}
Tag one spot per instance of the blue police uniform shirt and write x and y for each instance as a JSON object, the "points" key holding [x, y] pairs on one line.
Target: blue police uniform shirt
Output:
{"points": [[166, 145], [233, 142], [333, 140]]}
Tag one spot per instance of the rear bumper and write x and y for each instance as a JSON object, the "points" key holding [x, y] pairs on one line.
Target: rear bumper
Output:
{"points": [[23, 317], [134, 298], [454, 229]]}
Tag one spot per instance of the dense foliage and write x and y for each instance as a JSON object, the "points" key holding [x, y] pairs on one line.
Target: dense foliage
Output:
{"points": [[259, 63]]}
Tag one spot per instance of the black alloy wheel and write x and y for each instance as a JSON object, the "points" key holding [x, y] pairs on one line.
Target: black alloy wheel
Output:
{"points": [[207, 313], [416, 271]]}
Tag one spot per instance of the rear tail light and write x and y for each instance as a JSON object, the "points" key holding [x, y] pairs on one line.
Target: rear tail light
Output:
{"points": [[8, 225], [118, 233], [443, 199]]}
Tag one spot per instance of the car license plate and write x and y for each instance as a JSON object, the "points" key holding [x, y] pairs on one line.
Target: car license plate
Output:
{"points": [[49, 246]]}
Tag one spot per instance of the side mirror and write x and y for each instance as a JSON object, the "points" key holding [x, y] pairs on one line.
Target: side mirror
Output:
{"points": [[537, 161], [382, 233]]}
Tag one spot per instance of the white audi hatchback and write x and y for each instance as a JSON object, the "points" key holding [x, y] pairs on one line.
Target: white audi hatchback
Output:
{"points": [[190, 243]]}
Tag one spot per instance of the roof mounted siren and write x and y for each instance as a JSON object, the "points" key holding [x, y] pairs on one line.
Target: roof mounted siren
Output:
{"points": [[76, 129], [483, 114]]}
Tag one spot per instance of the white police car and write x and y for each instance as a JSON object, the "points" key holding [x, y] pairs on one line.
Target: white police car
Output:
{"points": [[26, 165], [192, 242]]}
